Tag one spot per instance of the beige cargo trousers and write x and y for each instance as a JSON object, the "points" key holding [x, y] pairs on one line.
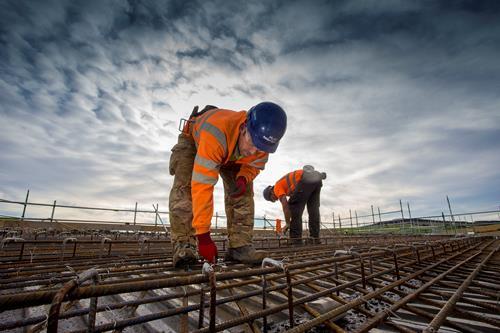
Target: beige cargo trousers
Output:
{"points": [[239, 212]]}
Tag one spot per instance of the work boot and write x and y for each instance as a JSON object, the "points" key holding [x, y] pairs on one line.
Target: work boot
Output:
{"points": [[313, 241], [184, 255], [245, 254], [296, 242]]}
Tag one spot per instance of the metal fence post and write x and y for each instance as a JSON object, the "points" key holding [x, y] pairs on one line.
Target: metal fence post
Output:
{"points": [[409, 213], [357, 222], [135, 213], [53, 209], [402, 215], [156, 215], [350, 217], [25, 204], [333, 221], [380, 218], [451, 214], [444, 223], [373, 217]]}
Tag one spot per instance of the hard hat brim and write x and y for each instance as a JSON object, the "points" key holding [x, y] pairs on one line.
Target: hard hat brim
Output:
{"points": [[263, 145]]}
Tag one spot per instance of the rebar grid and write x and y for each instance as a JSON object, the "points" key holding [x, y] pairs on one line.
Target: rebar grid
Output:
{"points": [[402, 286]]}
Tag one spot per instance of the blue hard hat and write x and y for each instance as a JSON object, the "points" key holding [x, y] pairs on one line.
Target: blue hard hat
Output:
{"points": [[266, 123]]}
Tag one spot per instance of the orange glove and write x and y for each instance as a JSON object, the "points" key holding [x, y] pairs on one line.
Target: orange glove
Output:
{"points": [[241, 187], [206, 247]]}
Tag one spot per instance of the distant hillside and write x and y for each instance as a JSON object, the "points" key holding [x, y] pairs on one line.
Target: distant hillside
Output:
{"points": [[432, 222]]}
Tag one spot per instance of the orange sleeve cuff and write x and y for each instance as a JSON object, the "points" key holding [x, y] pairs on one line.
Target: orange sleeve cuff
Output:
{"points": [[202, 230]]}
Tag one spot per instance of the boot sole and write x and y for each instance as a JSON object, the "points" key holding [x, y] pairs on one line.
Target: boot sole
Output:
{"points": [[248, 262]]}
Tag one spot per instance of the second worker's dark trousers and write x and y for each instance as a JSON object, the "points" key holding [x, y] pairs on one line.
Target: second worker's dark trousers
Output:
{"points": [[306, 194]]}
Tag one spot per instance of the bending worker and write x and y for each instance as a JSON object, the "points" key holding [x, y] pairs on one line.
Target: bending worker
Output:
{"points": [[303, 188], [236, 146]]}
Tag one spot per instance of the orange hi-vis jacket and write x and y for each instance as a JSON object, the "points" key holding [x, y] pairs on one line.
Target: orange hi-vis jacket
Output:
{"points": [[288, 183], [215, 134]]}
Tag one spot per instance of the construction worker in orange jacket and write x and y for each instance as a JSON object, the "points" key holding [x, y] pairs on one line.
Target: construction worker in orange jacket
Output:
{"points": [[303, 188], [234, 145]]}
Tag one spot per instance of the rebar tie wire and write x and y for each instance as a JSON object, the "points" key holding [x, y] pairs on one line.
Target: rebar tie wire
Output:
{"points": [[142, 242], [113, 315], [389, 311], [63, 245], [104, 240]]}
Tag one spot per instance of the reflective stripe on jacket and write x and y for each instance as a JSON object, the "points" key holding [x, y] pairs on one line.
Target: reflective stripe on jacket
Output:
{"points": [[288, 183], [216, 135]]}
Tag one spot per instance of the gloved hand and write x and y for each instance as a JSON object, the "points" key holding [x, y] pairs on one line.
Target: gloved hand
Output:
{"points": [[284, 231], [241, 187], [206, 247]]}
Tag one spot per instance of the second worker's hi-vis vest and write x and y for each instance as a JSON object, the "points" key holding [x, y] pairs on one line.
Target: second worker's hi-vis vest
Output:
{"points": [[288, 183], [215, 134]]}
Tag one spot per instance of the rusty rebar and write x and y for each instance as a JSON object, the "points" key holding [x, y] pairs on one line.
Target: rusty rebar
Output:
{"points": [[380, 316], [53, 319], [330, 314], [441, 316], [350, 268], [53, 316]]}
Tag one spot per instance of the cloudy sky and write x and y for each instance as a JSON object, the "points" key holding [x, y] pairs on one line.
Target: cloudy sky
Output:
{"points": [[392, 99]]}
